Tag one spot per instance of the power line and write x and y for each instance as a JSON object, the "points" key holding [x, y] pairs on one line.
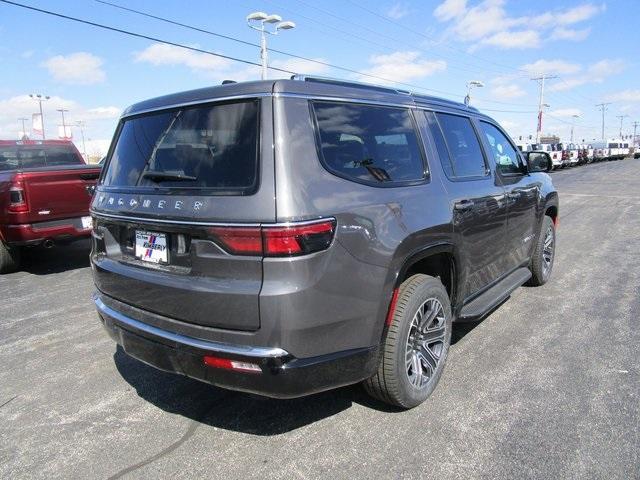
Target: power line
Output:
{"points": [[139, 35], [422, 34], [282, 52]]}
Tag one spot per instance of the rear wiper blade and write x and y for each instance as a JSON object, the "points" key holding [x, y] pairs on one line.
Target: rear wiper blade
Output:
{"points": [[157, 175]]}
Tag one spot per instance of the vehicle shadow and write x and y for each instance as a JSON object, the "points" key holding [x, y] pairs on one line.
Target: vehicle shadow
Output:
{"points": [[60, 258], [236, 411]]}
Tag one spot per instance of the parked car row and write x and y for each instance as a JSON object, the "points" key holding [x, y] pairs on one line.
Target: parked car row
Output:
{"points": [[572, 154]]}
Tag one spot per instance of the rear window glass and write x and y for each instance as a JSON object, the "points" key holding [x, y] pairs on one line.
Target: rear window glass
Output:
{"points": [[212, 147], [36, 156], [368, 144]]}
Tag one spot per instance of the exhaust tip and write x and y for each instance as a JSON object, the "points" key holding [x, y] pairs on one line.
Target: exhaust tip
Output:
{"points": [[48, 243]]}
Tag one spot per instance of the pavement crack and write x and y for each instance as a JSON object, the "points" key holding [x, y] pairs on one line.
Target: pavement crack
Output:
{"points": [[191, 430], [193, 426], [8, 401]]}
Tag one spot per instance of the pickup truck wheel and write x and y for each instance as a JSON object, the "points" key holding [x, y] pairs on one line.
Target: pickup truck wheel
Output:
{"points": [[415, 348], [543, 254], [9, 258]]}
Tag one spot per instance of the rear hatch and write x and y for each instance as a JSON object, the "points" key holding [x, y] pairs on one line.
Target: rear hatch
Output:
{"points": [[173, 179]]}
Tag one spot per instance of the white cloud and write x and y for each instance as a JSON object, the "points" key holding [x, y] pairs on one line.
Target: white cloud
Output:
{"points": [[566, 112], [514, 39], [508, 91], [488, 23], [100, 121], [551, 67], [398, 11], [561, 33], [595, 73], [80, 68], [402, 67], [578, 14], [450, 9], [160, 54], [605, 68], [628, 96]]}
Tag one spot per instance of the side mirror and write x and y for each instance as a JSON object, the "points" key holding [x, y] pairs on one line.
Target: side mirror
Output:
{"points": [[538, 162]]}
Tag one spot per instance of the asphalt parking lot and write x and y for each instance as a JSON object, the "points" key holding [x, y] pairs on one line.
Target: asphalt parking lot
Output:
{"points": [[547, 386]]}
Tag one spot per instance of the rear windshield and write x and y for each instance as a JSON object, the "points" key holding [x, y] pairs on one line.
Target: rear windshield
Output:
{"points": [[212, 147], [15, 157]]}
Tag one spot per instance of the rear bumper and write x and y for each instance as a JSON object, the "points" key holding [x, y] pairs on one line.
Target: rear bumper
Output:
{"points": [[36, 233], [281, 374]]}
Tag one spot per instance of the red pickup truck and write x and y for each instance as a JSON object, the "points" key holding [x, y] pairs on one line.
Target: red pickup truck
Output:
{"points": [[45, 191]]}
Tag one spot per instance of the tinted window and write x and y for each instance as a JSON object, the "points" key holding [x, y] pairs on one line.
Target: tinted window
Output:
{"points": [[369, 144], [207, 147], [503, 153], [464, 150], [36, 156]]}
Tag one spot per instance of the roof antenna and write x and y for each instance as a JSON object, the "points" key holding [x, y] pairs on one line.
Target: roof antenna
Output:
{"points": [[227, 82]]}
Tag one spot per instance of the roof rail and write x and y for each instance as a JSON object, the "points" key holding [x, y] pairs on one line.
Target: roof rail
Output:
{"points": [[348, 83], [382, 89]]}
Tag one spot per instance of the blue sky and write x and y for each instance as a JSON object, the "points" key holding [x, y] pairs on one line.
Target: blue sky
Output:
{"points": [[435, 45]]}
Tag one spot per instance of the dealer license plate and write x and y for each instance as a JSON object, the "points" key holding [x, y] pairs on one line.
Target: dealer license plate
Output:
{"points": [[151, 247]]}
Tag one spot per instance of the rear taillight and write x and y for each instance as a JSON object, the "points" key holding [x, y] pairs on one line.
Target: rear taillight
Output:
{"points": [[17, 199], [228, 364], [276, 241]]}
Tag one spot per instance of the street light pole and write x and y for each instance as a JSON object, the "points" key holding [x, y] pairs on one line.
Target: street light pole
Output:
{"points": [[64, 126], [40, 98], [572, 125], [81, 124], [470, 85], [262, 18], [541, 79], [24, 129], [635, 126]]}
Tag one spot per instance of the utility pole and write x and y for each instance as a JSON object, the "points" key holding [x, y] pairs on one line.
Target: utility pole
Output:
{"points": [[24, 129], [81, 124], [621, 117], [40, 98], [541, 79], [603, 108], [64, 125]]}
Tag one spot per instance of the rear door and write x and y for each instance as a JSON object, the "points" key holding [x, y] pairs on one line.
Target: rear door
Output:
{"points": [[174, 181], [476, 199], [522, 194]]}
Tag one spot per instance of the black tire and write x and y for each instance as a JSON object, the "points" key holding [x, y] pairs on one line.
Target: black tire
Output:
{"points": [[541, 265], [393, 382], [9, 258]]}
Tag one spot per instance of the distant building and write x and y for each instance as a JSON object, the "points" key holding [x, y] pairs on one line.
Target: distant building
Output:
{"points": [[549, 139]]}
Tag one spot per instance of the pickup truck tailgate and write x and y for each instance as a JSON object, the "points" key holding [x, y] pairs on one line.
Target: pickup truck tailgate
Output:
{"points": [[57, 193]]}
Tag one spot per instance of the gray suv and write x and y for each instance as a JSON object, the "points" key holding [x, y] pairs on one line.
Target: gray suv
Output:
{"points": [[292, 236]]}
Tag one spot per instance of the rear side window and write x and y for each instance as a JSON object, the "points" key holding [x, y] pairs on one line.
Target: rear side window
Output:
{"points": [[36, 156], [368, 144], [211, 147], [465, 154]]}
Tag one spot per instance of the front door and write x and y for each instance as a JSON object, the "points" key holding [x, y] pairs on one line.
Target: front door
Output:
{"points": [[522, 192], [476, 199]]}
